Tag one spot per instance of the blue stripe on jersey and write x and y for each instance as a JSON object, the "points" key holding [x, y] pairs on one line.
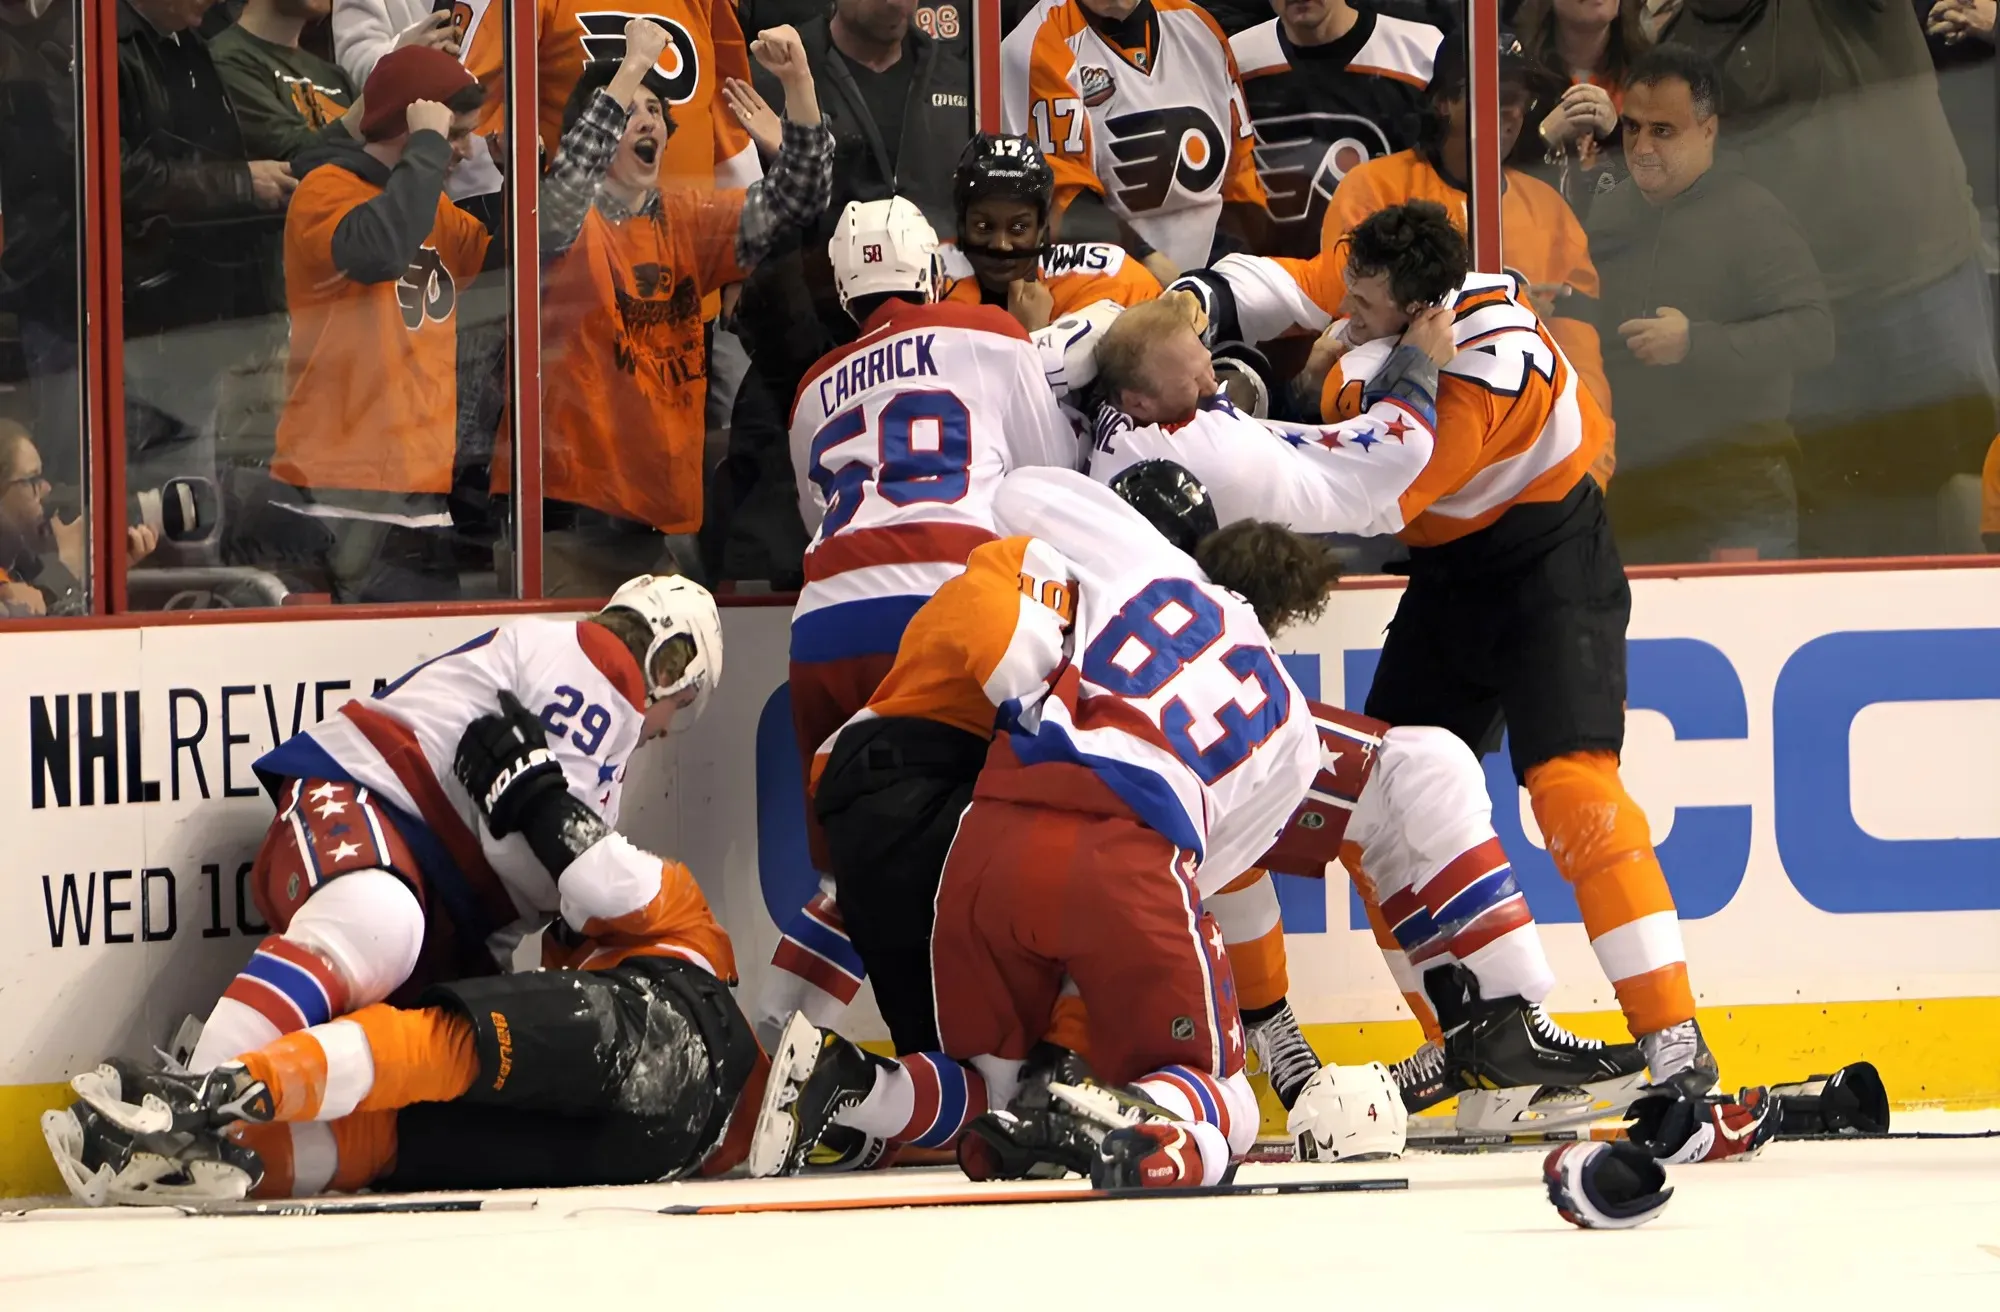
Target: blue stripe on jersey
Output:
{"points": [[853, 628], [1484, 892], [1208, 1109], [951, 1104], [823, 942], [1149, 795], [415, 670], [305, 992], [1415, 930]]}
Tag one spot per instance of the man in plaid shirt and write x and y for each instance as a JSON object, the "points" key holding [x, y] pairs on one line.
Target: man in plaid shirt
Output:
{"points": [[626, 267]]}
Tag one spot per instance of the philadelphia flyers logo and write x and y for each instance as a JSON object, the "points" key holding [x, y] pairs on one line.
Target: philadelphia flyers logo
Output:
{"points": [[1160, 149], [426, 291], [679, 64], [1303, 157]]}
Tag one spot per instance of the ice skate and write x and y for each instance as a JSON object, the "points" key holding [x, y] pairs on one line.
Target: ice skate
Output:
{"points": [[1421, 1078], [1679, 1060], [1037, 1136], [103, 1164], [1519, 1071], [815, 1074], [1283, 1054], [142, 1102]]}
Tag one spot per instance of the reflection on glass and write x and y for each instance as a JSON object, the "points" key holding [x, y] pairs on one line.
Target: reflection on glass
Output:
{"points": [[44, 559]]}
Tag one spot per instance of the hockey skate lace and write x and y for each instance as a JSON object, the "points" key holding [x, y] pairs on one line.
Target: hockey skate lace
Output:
{"points": [[1288, 1060], [1420, 1067], [1546, 1028]]}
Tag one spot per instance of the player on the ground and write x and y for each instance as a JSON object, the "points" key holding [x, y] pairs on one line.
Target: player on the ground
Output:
{"points": [[1516, 610], [899, 440], [1140, 112], [621, 1062], [1006, 254], [376, 875]]}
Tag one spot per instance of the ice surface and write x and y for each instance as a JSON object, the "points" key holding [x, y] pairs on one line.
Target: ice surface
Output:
{"points": [[1891, 1224]]}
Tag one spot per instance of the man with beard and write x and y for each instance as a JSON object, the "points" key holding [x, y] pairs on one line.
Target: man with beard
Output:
{"points": [[1002, 191], [624, 378]]}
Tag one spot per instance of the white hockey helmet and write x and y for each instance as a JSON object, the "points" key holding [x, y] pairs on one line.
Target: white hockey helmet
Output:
{"points": [[1346, 1112], [884, 246], [672, 607]]}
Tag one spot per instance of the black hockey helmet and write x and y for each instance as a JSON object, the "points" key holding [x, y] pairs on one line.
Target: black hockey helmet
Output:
{"points": [[1171, 499], [995, 164]]}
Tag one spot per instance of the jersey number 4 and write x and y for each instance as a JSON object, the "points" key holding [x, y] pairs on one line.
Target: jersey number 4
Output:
{"points": [[1169, 626], [923, 452]]}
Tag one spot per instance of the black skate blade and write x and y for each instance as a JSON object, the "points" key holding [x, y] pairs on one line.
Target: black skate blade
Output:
{"points": [[274, 1207], [1011, 1197]]}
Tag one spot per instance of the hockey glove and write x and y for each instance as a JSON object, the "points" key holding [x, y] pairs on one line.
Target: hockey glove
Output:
{"points": [[505, 764], [1675, 1128], [1605, 1186]]}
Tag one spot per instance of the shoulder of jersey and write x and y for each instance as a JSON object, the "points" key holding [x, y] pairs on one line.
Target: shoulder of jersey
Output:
{"points": [[978, 318], [613, 660], [1258, 51], [1193, 15], [1401, 49], [1083, 257], [1063, 17]]}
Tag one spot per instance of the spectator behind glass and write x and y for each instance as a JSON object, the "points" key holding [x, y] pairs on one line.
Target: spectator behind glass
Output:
{"points": [[899, 104], [375, 257], [1540, 238], [40, 277], [286, 99], [198, 213], [1711, 304], [1960, 36], [1329, 87], [1833, 106], [1591, 44], [43, 558], [1105, 88], [629, 263]]}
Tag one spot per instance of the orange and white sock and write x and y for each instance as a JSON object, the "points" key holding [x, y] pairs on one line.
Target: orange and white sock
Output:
{"points": [[1253, 934], [1599, 840], [306, 1158], [379, 1058]]}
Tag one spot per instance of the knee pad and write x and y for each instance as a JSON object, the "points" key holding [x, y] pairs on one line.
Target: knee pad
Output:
{"points": [[1587, 818], [369, 925]]}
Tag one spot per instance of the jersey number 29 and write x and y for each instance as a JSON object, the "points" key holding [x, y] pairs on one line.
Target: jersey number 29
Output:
{"points": [[923, 453], [1171, 624]]}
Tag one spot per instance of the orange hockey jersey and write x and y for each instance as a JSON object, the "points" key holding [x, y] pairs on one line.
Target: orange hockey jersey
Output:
{"points": [[1158, 128], [1076, 275], [373, 375]]}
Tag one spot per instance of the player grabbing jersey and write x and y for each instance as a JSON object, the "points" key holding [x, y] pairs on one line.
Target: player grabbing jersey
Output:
{"points": [[620, 1062], [377, 876], [1003, 190], [899, 440], [1139, 110], [1517, 605]]}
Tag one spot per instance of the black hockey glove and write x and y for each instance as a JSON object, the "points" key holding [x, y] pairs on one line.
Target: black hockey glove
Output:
{"points": [[505, 764]]}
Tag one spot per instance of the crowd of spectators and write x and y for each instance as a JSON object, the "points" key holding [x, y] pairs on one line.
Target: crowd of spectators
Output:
{"points": [[1762, 230]]}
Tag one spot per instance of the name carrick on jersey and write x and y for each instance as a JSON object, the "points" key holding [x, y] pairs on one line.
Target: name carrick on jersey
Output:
{"points": [[1171, 694], [1150, 117], [1076, 274], [900, 440], [399, 743], [1319, 112], [1350, 477]]}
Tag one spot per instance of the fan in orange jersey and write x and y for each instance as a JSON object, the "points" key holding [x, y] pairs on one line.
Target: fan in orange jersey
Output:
{"points": [[1517, 605], [1139, 108], [620, 1062], [1003, 190]]}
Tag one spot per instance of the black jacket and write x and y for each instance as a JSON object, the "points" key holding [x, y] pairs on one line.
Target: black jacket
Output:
{"points": [[1727, 255], [794, 285], [196, 241], [39, 159], [1833, 106]]}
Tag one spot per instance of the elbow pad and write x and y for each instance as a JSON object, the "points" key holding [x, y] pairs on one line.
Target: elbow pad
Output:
{"points": [[1217, 300]]}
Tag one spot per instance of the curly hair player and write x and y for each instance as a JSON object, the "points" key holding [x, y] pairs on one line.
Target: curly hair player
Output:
{"points": [[1517, 605]]}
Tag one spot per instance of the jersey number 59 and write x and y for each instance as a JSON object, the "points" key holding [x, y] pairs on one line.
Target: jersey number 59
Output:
{"points": [[1169, 626], [923, 452]]}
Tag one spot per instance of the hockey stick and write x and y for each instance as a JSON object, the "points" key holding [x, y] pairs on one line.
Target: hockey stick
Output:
{"points": [[1003, 1199], [276, 1207], [1281, 1150]]}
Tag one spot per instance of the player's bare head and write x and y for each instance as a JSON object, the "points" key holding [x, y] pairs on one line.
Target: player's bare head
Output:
{"points": [[1151, 363], [1401, 261], [1285, 576]]}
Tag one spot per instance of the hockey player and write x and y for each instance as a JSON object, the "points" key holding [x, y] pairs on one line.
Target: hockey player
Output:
{"points": [[1330, 85], [620, 1062], [1003, 190], [1516, 609], [1138, 107], [899, 440], [377, 877]]}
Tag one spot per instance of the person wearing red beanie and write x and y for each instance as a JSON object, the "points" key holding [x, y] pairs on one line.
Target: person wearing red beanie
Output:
{"points": [[376, 257]]}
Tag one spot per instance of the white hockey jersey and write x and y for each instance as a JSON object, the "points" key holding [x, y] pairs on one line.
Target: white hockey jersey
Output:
{"points": [[1348, 477], [1172, 694], [399, 744], [1152, 119], [899, 441]]}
